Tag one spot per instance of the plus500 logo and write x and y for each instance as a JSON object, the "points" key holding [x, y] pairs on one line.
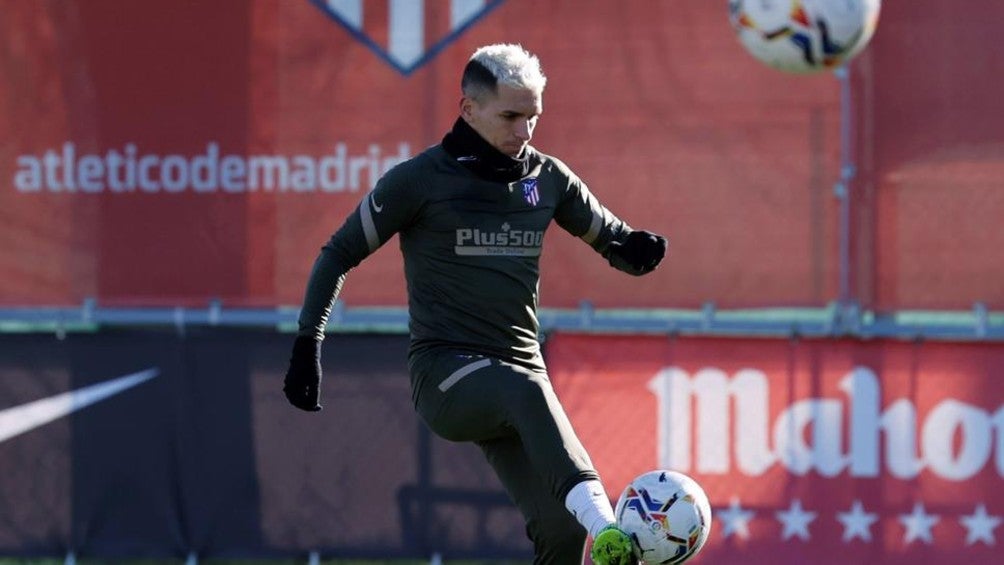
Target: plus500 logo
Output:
{"points": [[522, 238], [507, 241]]}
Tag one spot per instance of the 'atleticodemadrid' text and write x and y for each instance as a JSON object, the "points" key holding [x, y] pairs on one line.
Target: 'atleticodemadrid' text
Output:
{"points": [[126, 170]]}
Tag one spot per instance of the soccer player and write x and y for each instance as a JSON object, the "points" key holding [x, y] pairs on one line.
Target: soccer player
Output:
{"points": [[471, 214]]}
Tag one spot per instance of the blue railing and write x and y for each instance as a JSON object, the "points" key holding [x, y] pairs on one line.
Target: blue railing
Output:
{"points": [[832, 321]]}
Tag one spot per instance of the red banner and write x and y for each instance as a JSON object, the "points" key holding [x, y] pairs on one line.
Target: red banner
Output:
{"points": [[810, 451], [930, 155], [207, 150]]}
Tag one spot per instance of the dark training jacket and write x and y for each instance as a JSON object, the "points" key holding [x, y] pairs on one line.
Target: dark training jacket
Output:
{"points": [[471, 250]]}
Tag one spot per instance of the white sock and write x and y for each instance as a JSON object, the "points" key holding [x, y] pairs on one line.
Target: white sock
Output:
{"points": [[588, 502]]}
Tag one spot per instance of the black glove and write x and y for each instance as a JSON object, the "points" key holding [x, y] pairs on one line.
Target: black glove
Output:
{"points": [[302, 385], [639, 253]]}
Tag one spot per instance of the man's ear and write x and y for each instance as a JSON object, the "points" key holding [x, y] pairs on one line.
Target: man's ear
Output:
{"points": [[466, 107]]}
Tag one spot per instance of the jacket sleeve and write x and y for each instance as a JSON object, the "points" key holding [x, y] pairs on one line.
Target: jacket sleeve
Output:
{"points": [[579, 213], [389, 208]]}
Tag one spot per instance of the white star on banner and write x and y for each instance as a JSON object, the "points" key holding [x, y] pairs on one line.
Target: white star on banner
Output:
{"points": [[857, 523], [980, 526], [795, 521], [735, 520], [918, 524]]}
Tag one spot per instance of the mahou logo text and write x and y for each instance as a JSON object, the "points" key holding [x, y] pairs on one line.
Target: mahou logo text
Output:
{"points": [[714, 423]]}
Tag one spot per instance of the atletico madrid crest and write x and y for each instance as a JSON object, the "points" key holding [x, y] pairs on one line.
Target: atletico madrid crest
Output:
{"points": [[530, 193], [413, 31]]}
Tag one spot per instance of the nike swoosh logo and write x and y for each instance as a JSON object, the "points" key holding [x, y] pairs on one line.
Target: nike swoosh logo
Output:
{"points": [[20, 419], [376, 208]]}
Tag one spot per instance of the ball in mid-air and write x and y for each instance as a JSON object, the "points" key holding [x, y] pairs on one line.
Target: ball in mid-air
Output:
{"points": [[804, 36]]}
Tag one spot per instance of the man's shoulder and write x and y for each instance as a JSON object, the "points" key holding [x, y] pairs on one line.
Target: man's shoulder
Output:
{"points": [[411, 171], [549, 164], [417, 162], [429, 173], [433, 158]]}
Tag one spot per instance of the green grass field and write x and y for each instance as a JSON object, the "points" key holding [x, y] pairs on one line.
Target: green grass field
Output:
{"points": [[84, 561]]}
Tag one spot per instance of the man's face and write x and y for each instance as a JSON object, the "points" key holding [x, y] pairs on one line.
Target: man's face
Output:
{"points": [[505, 120]]}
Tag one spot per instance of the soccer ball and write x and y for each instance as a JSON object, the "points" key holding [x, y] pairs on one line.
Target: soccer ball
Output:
{"points": [[667, 514], [804, 36]]}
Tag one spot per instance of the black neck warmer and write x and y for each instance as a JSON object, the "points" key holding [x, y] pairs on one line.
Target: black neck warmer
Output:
{"points": [[472, 151]]}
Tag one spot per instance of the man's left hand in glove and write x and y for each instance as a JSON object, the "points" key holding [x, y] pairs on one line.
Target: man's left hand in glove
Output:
{"points": [[638, 253]]}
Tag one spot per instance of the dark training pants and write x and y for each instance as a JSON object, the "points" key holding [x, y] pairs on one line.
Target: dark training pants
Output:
{"points": [[513, 415]]}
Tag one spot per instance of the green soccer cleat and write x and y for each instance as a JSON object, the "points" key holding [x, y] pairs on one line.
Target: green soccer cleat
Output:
{"points": [[613, 547]]}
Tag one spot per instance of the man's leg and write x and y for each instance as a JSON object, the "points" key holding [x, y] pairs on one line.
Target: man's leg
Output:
{"points": [[557, 537], [514, 415], [477, 398]]}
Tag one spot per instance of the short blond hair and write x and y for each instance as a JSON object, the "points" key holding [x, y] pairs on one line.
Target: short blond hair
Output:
{"points": [[501, 63]]}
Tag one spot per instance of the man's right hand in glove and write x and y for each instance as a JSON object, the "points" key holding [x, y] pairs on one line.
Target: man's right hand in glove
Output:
{"points": [[302, 385]]}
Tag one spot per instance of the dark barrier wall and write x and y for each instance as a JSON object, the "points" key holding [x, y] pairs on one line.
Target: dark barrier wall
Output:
{"points": [[206, 455], [811, 451]]}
